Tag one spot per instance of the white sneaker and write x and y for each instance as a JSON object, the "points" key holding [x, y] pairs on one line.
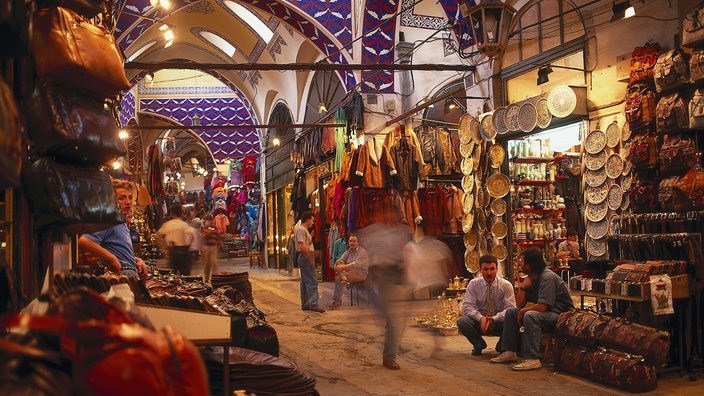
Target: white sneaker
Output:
{"points": [[528, 364], [505, 357]]}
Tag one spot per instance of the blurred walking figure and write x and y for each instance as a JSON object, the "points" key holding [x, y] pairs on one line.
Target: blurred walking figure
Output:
{"points": [[385, 242]]}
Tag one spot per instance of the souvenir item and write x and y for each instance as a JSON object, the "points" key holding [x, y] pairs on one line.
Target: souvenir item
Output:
{"points": [[499, 230], [477, 155], [627, 166], [466, 149], [470, 239], [625, 132], [498, 207], [596, 212], [498, 185], [595, 161], [500, 252], [596, 247], [543, 113], [468, 182], [511, 117], [671, 70], [595, 178], [483, 243], [467, 202], [614, 166], [527, 117], [500, 121], [474, 129], [615, 225], [597, 195], [467, 165], [480, 219], [640, 105], [471, 261], [479, 194], [464, 132], [614, 198], [595, 142], [613, 135], [486, 127], [596, 230], [626, 181], [562, 101], [467, 222], [496, 155]]}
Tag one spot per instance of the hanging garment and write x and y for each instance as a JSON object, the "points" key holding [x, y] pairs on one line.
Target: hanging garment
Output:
{"points": [[375, 165]]}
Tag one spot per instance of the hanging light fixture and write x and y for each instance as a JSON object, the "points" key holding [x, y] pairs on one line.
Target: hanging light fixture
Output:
{"points": [[622, 10], [543, 72], [322, 108], [490, 21]]}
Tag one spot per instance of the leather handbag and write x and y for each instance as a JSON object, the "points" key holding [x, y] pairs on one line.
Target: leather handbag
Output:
{"points": [[642, 61], [693, 27], [665, 190], [671, 70], [696, 65], [688, 191], [640, 106], [11, 147], [74, 199], [71, 126], [696, 110], [71, 51], [677, 154], [671, 113]]}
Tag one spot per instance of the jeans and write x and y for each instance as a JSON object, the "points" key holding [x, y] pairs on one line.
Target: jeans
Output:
{"points": [[470, 328], [309, 282], [533, 322], [129, 272]]}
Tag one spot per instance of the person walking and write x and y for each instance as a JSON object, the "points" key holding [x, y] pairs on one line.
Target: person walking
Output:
{"points": [[176, 237], [212, 242], [306, 263]]}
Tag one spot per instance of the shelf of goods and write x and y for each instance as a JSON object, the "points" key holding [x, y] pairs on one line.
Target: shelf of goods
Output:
{"points": [[537, 160], [537, 242]]}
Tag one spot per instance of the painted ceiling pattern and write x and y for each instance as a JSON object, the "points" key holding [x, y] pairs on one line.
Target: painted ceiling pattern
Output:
{"points": [[223, 143]]}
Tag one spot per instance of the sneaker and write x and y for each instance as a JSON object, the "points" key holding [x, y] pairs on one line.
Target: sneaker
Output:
{"points": [[335, 304], [528, 364], [391, 365], [505, 357]]}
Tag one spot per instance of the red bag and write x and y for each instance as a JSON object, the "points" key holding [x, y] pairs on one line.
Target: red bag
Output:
{"points": [[642, 62], [640, 106]]}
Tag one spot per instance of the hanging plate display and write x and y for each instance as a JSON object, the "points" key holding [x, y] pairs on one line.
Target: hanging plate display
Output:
{"points": [[597, 195], [467, 222], [498, 185], [486, 126], [595, 161], [480, 220], [499, 230], [471, 261], [466, 149], [474, 129], [497, 154], [562, 101], [544, 114], [614, 166], [467, 165], [596, 212], [470, 239], [468, 182], [595, 177], [613, 135], [595, 141], [464, 128], [500, 252], [615, 225], [477, 155], [467, 202], [614, 197], [498, 207], [527, 117], [626, 181], [479, 194], [627, 166], [511, 117], [596, 247], [500, 121], [597, 230], [625, 131]]}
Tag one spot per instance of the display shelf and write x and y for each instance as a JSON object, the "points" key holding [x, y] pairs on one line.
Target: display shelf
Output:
{"points": [[534, 182], [538, 242], [582, 294], [539, 211], [536, 160]]}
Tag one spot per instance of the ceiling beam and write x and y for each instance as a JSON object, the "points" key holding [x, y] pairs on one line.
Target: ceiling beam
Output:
{"points": [[292, 66], [239, 126]]}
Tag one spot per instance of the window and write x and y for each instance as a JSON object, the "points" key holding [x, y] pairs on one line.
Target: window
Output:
{"points": [[252, 20], [217, 40]]}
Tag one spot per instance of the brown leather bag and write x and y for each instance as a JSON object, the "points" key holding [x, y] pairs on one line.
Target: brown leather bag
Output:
{"points": [[71, 51], [688, 192], [672, 113], [11, 147], [70, 126]]}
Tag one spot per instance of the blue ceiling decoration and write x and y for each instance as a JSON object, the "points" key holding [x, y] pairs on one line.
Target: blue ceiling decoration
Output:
{"points": [[410, 19], [378, 44], [223, 143], [127, 107]]}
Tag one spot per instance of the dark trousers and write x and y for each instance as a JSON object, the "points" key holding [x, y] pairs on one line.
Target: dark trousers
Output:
{"points": [[180, 260], [470, 328]]}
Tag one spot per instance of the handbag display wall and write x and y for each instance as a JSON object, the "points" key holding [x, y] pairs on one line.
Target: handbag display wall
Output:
{"points": [[672, 113], [70, 51], [11, 147], [71, 126], [75, 199], [693, 27], [671, 70]]}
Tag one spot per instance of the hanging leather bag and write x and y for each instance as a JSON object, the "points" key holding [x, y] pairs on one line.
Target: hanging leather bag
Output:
{"points": [[642, 61], [67, 125], [11, 147], [693, 27], [74, 199], [671, 70], [696, 66], [71, 51], [688, 191], [640, 106], [677, 154], [671, 113]]}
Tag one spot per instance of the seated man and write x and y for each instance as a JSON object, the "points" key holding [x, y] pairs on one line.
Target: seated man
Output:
{"points": [[351, 267], [485, 303], [569, 250], [550, 297]]}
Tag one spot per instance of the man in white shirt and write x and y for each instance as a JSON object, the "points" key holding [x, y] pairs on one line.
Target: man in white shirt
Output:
{"points": [[485, 303], [176, 237], [306, 263]]}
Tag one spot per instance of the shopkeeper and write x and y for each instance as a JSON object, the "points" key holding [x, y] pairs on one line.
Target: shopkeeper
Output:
{"points": [[568, 250]]}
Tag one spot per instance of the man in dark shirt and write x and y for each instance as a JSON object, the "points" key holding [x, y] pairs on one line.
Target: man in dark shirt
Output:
{"points": [[549, 297]]}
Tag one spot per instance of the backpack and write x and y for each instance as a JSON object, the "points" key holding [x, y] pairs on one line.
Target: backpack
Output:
{"points": [[642, 62], [640, 106]]}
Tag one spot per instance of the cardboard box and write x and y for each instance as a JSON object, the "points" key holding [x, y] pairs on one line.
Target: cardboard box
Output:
{"points": [[680, 286]]}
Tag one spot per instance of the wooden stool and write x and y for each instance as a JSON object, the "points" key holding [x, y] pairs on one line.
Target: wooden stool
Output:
{"points": [[355, 288], [255, 260]]}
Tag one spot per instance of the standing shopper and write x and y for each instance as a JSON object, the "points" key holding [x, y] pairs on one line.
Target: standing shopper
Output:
{"points": [[114, 245], [306, 263], [211, 240], [176, 236], [550, 296]]}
